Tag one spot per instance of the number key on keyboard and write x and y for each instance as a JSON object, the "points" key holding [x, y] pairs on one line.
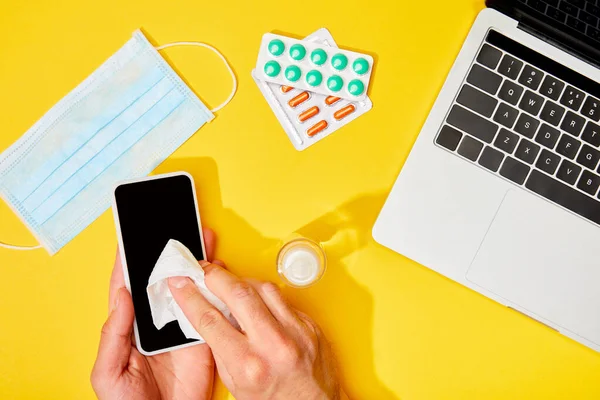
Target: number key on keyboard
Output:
{"points": [[568, 172], [568, 146], [568, 8], [548, 162], [510, 92], [527, 125], [552, 113], [484, 79], [510, 67], [572, 98], [514, 170], [591, 134], [506, 115], [489, 56], [589, 182], [531, 77], [547, 136], [552, 87], [527, 151], [531, 103], [556, 14], [591, 109], [572, 123], [470, 148], [588, 157]]}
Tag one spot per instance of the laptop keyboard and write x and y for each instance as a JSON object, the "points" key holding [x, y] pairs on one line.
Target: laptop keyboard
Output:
{"points": [[580, 15], [532, 121]]}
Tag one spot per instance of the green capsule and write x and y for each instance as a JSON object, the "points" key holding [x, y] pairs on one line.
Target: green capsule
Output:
{"points": [[318, 56], [360, 66], [297, 52], [356, 87], [272, 68], [314, 78], [276, 47], [339, 61], [335, 83], [292, 73]]}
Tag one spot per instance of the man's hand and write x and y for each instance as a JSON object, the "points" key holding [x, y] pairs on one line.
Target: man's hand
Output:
{"points": [[122, 372], [280, 352]]}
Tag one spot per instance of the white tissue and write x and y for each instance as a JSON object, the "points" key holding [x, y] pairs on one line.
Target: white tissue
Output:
{"points": [[177, 260]]}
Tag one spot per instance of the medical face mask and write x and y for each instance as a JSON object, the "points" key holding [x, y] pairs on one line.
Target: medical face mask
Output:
{"points": [[120, 123]]}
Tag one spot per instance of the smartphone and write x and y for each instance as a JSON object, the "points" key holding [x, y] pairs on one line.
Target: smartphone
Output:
{"points": [[148, 212]]}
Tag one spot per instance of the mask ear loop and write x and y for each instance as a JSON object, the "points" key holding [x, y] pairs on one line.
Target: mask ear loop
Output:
{"points": [[23, 248], [217, 52]]}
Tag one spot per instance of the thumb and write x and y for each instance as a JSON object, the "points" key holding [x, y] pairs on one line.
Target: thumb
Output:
{"points": [[115, 341]]}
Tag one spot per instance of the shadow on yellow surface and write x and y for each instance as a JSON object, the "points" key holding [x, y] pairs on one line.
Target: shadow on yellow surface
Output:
{"points": [[336, 301]]}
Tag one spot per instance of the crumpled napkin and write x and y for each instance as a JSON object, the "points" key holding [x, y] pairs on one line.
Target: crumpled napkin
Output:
{"points": [[178, 260]]}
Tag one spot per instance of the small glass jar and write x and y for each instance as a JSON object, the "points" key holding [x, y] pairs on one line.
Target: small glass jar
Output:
{"points": [[301, 262]]}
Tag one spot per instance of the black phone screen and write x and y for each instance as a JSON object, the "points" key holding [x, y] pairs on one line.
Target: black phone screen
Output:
{"points": [[150, 213]]}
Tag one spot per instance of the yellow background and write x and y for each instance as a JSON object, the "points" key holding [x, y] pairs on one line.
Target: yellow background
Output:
{"points": [[400, 330]]}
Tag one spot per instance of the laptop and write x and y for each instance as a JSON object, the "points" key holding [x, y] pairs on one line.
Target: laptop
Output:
{"points": [[501, 190]]}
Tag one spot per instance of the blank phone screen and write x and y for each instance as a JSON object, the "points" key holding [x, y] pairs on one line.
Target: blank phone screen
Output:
{"points": [[150, 214]]}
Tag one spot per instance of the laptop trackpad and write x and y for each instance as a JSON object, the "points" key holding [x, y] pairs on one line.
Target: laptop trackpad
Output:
{"points": [[544, 261]]}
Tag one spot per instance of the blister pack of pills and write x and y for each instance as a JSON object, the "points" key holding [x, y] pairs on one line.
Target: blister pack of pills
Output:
{"points": [[311, 66], [309, 117]]}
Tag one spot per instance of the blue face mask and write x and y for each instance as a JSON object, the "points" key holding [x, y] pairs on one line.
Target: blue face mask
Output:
{"points": [[120, 123]]}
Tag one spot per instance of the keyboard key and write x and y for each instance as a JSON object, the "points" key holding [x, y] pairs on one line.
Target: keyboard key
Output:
{"points": [[477, 101], [552, 113], [553, 3], [470, 148], [576, 24], [547, 136], [589, 183], [484, 79], [531, 103], [591, 134], [506, 115], [527, 151], [514, 170], [593, 9], [568, 8], [572, 123], [588, 157], [556, 14], [506, 141], [510, 92], [489, 56], [531, 77], [472, 124], [578, 3], [510, 67], [572, 98], [591, 108], [491, 159], [552, 87], [539, 5], [548, 162], [593, 33], [449, 138], [568, 172], [588, 18], [527, 125], [564, 195], [568, 146]]}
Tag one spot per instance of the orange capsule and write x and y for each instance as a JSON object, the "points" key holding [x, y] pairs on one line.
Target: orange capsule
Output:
{"points": [[316, 128], [330, 100], [308, 114], [286, 89], [344, 112], [301, 98]]}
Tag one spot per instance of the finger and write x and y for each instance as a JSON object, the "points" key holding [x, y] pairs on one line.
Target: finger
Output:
{"points": [[245, 304], [275, 302], [220, 263], [117, 281], [216, 330], [210, 242], [115, 340]]}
